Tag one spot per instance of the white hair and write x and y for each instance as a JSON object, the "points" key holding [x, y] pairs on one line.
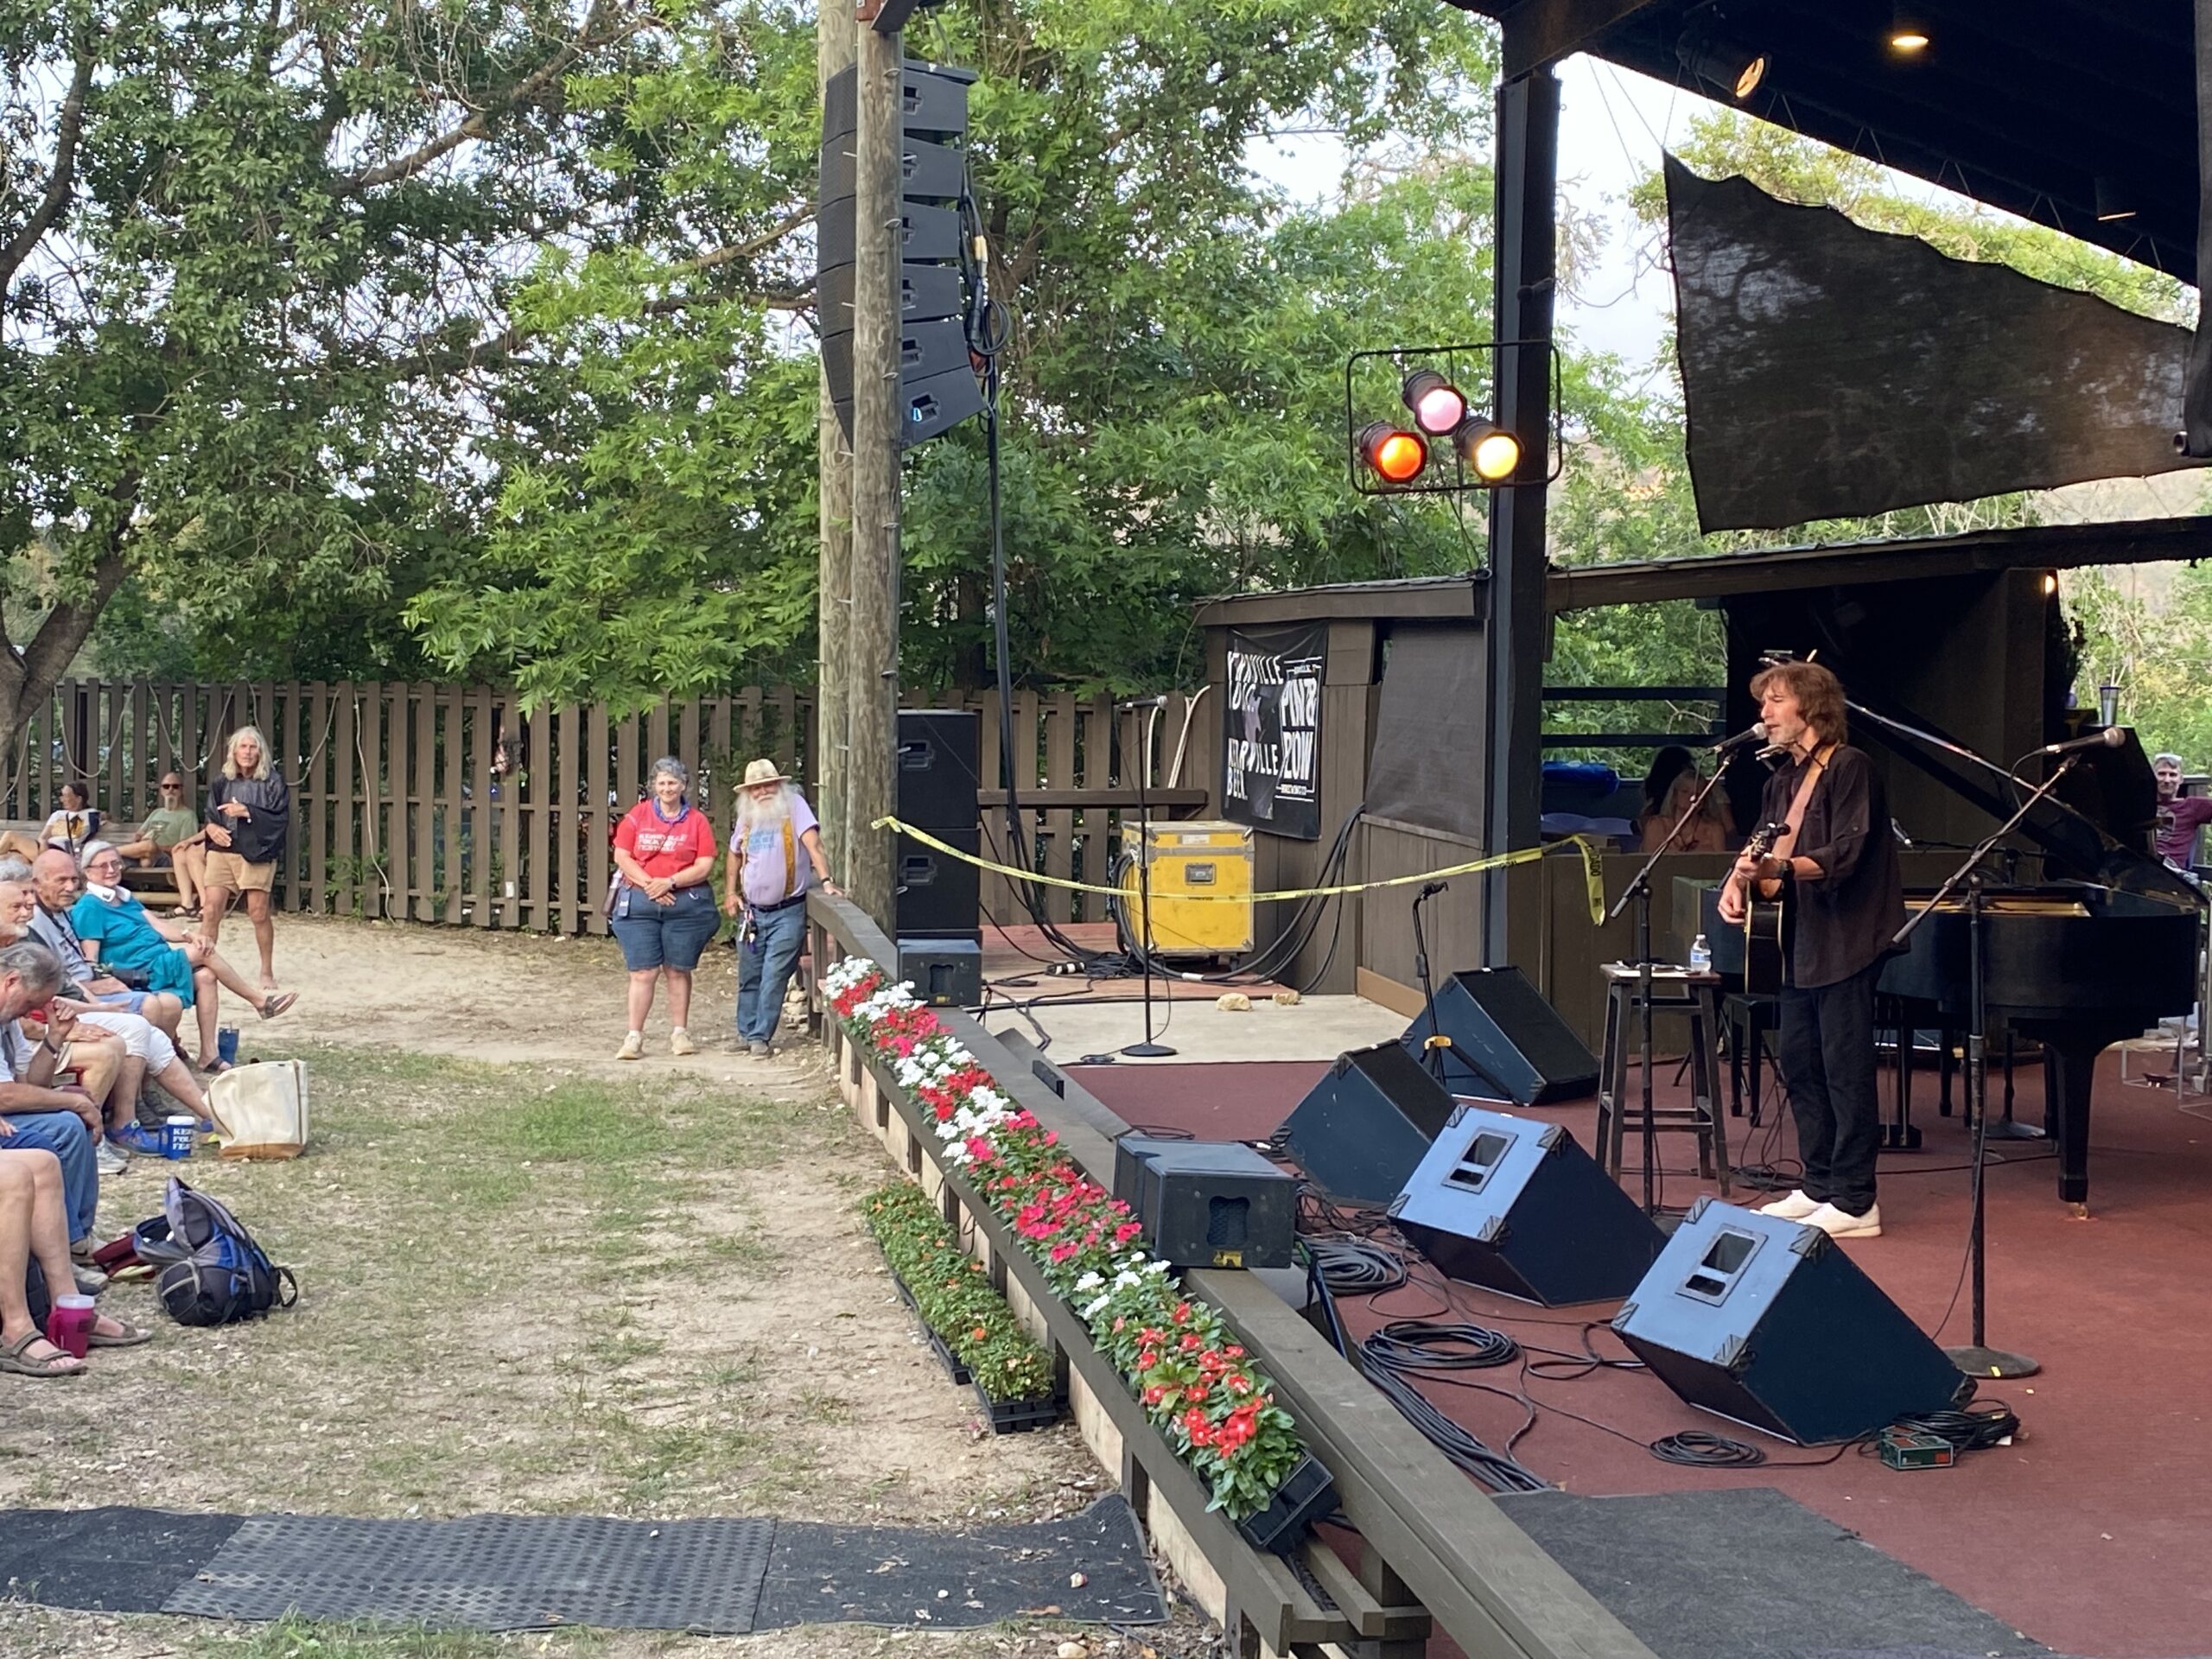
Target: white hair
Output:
{"points": [[93, 850], [230, 752], [774, 809]]}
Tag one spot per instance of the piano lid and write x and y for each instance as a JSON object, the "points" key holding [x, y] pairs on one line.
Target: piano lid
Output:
{"points": [[2101, 828]]}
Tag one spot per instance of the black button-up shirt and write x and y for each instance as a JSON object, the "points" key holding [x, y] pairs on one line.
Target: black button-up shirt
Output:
{"points": [[1845, 920]]}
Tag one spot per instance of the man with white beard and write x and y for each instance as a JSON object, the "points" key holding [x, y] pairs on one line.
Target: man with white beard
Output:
{"points": [[775, 855]]}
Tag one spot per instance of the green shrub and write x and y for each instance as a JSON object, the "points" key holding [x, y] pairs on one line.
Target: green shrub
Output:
{"points": [[954, 1295]]}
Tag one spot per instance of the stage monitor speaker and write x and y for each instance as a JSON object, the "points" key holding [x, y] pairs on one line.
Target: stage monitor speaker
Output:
{"points": [[1519, 1045], [938, 896], [1207, 1204], [945, 973], [1516, 1206], [1365, 1127], [937, 780], [1769, 1323]]}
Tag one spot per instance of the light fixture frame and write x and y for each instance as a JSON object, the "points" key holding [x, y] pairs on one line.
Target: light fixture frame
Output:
{"points": [[1907, 24], [1447, 473]]}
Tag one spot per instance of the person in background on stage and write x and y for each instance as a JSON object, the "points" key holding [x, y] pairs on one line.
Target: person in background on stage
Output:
{"points": [[2180, 816], [775, 855], [1668, 788], [1840, 860]]}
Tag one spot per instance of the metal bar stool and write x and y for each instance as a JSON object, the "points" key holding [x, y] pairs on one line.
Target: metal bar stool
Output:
{"points": [[1674, 990]]}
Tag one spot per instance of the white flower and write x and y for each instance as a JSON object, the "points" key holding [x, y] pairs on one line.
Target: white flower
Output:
{"points": [[1089, 1281], [1158, 1267], [1126, 1279], [1092, 1309]]}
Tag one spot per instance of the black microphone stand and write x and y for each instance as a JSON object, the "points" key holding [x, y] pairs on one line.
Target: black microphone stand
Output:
{"points": [[1149, 1049], [1639, 889], [1979, 1359], [1433, 1044]]}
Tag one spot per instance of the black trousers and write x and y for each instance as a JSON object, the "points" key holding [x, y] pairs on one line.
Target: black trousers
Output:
{"points": [[1827, 1066]]}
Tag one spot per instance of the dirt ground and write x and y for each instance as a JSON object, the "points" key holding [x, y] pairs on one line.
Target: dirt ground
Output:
{"points": [[534, 1279], [492, 996]]}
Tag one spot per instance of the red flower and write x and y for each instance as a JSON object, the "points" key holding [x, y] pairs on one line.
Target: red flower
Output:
{"points": [[1061, 1252], [1182, 1313], [1191, 1341], [980, 1334], [1147, 1359], [1126, 1231]]}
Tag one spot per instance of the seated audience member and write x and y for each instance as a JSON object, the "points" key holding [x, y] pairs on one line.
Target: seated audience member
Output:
{"points": [[68, 827], [116, 933], [2180, 816], [38, 1113], [171, 839], [58, 881], [34, 1226], [1668, 788], [147, 1053]]}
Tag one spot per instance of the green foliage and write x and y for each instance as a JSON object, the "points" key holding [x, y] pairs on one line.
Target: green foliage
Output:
{"points": [[2152, 645], [954, 1297]]}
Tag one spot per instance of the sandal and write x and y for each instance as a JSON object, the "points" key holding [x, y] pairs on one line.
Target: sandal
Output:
{"points": [[15, 1360], [127, 1335], [216, 1067], [271, 1006]]}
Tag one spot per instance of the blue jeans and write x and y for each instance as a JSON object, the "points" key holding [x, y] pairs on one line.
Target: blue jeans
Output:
{"points": [[763, 970], [63, 1133]]}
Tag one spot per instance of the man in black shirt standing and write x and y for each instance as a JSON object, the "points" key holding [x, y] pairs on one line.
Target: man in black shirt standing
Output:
{"points": [[1840, 862]]}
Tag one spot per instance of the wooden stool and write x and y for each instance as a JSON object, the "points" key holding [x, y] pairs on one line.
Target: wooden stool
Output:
{"points": [[1674, 990]]}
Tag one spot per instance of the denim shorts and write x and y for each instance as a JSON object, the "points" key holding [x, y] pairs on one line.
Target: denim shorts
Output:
{"points": [[666, 935], [129, 1001]]}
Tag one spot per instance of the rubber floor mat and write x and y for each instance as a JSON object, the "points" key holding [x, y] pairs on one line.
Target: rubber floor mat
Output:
{"points": [[489, 1572], [1089, 1567], [105, 1560]]}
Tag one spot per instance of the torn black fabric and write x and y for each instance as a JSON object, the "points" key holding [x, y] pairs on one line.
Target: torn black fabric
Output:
{"points": [[1830, 372]]}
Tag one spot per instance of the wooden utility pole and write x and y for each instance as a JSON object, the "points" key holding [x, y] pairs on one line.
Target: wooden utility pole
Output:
{"points": [[873, 718], [836, 42]]}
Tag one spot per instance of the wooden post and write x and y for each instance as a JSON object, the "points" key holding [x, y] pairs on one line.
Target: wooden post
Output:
{"points": [[1528, 180], [872, 718], [836, 42]]}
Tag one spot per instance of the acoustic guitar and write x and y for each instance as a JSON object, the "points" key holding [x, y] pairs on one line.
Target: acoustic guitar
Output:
{"points": [[1767, 922]]}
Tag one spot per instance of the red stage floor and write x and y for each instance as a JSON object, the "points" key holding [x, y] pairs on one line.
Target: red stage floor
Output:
{"points": [[2092, 1533]]}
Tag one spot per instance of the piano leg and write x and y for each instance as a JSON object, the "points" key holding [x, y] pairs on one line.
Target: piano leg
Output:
{"points": [[2069, 1073]]}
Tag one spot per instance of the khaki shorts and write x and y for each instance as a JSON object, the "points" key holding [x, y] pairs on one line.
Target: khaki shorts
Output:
{"points": [[229, 871]]}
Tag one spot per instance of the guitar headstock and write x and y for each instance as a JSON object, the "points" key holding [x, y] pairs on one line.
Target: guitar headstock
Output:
{"points": [[1764, 839]]}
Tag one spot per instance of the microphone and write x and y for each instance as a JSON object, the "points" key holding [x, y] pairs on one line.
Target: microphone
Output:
{"points": [[1755, 733], [1159, 701], [2111, 737], [1898, 829], [1431, 889]]}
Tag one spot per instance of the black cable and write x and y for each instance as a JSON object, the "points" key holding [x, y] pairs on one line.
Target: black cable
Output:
{"points": [[1354, 1267], [1404, 1350], [1970, 1428]]}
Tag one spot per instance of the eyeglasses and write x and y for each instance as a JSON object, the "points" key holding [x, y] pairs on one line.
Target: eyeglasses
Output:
{"points": [[171, 789]]}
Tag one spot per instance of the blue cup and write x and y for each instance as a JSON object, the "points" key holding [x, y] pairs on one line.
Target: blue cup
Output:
{"points": [[227, 1045], [177, 1136]]}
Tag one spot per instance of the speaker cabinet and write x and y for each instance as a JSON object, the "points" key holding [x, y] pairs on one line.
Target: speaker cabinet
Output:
{"points": [[1519, 1046], [1208, 1203], [1516, 1206], [938, 896], [945, 973], [937, 780], [1365, 1127], [1770, 1324]]}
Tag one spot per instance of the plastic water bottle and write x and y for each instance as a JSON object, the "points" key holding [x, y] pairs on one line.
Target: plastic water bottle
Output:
{"points": [[1700, 955]]}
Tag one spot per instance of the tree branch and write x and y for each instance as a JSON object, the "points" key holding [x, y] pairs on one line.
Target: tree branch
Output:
{"points": [[479, 124], [65, 628], [66, 132]]}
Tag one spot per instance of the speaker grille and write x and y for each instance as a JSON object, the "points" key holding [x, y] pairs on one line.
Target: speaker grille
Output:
{"points": [[1229, 1222]]}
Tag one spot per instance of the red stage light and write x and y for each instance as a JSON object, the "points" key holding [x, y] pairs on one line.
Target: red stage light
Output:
{"points": [[1396, 455], [1437, 404]]}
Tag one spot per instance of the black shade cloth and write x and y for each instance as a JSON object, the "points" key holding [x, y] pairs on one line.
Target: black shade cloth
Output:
{"points": [[1427, 769], [1830, 372], [1271, 729], [2197, 400]]}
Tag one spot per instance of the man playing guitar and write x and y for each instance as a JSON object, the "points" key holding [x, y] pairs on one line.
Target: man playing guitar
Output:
{"points": [[1840, 864]]}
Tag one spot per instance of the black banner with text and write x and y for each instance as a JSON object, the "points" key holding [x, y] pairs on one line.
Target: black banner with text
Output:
{"points": [[1271, 731]]}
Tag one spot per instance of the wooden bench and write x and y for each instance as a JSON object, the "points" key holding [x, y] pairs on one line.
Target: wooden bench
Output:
{"points": [[156, 888]]}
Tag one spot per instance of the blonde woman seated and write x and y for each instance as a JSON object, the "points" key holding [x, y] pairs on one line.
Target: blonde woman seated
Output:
{"points": [[1668, 788]]}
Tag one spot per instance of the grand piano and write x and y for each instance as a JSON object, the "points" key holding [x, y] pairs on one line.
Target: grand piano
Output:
{"points": [[2101, 949], [2098, 950]]}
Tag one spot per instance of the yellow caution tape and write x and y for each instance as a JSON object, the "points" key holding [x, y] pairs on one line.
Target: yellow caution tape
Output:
{"points": [[1589, 849]]}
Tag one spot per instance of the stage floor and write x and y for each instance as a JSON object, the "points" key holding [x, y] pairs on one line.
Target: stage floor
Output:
{"points": [[2091, 1534]]}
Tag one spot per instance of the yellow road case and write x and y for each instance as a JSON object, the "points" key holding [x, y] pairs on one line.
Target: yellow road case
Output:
{"points": [[1201, 879]]}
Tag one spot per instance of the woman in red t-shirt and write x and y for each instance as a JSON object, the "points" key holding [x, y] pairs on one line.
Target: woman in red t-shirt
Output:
{"points": [[661, 910]]}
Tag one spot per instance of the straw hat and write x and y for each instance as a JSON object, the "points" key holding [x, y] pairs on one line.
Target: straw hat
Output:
{"points": [[763, 771]]}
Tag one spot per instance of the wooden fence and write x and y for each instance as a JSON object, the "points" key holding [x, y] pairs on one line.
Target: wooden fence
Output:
{"points": [[448, 804]]}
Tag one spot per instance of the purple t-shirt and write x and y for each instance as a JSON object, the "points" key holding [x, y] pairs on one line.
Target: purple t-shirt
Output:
{"points": [[764, 877], [2177, 824]]}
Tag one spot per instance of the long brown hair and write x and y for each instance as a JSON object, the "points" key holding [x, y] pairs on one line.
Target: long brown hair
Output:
{"points": [[1819, 693]]}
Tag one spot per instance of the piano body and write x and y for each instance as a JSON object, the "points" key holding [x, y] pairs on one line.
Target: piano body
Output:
{"points": [[2099, 952]]}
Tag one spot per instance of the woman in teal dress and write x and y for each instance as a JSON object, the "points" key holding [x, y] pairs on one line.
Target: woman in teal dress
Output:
{"points": [[118, 934]]}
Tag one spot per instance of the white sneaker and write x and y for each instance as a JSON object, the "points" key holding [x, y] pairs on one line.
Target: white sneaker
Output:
{"points": [[111, 1159], [1796, 1207], [679, 1042], [1841, 1224], [633, 1047]]}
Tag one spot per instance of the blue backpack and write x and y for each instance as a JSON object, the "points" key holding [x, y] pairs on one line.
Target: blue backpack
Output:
{"points": [[212, 1271]]}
